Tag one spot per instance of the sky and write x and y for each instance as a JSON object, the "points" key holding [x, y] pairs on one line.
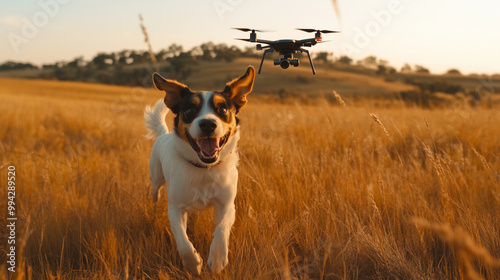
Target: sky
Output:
{"points": [[438, 35]]}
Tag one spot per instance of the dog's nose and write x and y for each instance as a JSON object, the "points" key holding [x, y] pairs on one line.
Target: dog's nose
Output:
{"points": [[208, 126]]}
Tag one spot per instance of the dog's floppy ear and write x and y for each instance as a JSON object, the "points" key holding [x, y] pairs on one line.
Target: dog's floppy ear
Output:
{"points": [[173, 91], [238, 88]]}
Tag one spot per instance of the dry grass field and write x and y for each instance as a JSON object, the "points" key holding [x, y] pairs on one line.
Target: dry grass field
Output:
{"points": [[325, 191]]}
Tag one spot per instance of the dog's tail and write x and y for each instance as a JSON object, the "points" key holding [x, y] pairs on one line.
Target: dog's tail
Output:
{"points": [[155, 119]]}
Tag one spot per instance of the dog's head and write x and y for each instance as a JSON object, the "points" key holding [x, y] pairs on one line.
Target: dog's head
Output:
{"points": [[206, 120]]}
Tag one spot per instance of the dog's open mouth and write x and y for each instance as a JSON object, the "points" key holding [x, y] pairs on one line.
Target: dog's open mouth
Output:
{"points": [[208, 148]]}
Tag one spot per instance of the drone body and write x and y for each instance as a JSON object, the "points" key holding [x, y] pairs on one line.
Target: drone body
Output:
{"points": [[286, 47]]}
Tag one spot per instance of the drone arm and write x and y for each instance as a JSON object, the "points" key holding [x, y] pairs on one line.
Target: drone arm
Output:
{"points": [[263, 56], [310, 61]]}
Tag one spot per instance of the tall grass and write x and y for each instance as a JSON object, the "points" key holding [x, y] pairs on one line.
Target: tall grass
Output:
{"points": [[325, 191]]}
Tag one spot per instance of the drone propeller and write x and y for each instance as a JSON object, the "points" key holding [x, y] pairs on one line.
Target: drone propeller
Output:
{"points": [[310, 30], [249, 29]]}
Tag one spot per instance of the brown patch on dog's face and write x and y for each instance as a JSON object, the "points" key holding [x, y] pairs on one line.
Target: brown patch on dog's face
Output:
{"points": [[188, 109], [224, 108]]}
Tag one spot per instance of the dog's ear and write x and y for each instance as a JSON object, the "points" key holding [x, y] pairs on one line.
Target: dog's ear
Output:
{"points": [[238, 88], [173, 91]]}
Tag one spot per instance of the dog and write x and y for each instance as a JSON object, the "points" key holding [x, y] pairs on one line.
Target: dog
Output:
{"points": [[198, 160]]}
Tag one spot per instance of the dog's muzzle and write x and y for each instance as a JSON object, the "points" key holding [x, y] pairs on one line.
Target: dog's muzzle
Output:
{"points": [[208, 148]]}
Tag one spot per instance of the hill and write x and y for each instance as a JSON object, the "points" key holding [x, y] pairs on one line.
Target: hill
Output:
{"points": [[200, 72], [213, 75], [273, 79]]}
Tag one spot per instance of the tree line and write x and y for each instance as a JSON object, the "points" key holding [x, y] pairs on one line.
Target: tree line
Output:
{"points": [[128, 67]]}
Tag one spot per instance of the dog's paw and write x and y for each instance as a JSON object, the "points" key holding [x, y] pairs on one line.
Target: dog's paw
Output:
{"points": [[192, 263], [217, 258]]}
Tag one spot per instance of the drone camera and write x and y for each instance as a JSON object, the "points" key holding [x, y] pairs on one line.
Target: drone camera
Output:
{"points": [[285, 63], [258, 47]]}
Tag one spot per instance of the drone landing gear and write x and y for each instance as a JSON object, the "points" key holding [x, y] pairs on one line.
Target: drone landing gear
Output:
{"points": [[263, 56], [310, 61], [287, 60]]}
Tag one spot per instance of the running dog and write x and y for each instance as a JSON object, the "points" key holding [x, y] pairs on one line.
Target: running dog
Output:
{"points": [[198, 160]]}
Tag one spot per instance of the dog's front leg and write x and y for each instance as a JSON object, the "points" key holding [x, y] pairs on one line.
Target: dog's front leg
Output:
{"points": [[224, 220], [178, 223]]}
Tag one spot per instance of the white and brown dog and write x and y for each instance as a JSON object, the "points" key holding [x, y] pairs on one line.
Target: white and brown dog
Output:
{"points": [[198, 159]]}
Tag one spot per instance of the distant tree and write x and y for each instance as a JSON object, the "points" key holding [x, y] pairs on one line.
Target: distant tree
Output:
{"points": [[49, 66], [60, 64], [406, 68], [142, 57], [175, 50], [11, 65], [223, 52], [136, 58], [77, 62], [345, 59], [123, 57], [72, 64], [369, 62], [250, 52], [61, 74], [324, 56], [421, 69], [115, 57], [102, 60], [181, 65], [162, 55], [196, 52], [208, 51], [383, 62], [453, 71], [381, 70]]}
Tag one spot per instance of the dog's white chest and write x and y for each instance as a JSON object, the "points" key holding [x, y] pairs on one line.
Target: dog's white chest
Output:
{"points": [[201, 197], [201, 188]]}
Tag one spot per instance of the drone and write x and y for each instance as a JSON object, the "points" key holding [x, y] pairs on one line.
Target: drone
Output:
{"points": [[286, 47]]}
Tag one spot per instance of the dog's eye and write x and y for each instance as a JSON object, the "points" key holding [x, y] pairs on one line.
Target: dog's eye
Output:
{"points": [[222, 110], [190, 111]]}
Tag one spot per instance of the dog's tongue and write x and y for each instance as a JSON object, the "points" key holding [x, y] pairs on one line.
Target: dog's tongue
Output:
{"points": [[209, 145]]}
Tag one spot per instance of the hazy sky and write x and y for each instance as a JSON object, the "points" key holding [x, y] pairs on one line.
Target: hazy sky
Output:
{"points": [[439, 35]]}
